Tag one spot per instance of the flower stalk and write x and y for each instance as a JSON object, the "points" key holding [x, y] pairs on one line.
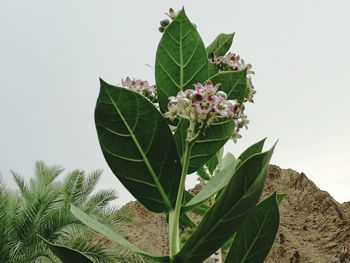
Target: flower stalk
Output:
{"points": [[174, 215]]}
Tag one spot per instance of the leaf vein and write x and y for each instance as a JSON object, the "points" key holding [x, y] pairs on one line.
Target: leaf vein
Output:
{"points": [[190, 58], [192, 77], [171, 57], [169, 76]]}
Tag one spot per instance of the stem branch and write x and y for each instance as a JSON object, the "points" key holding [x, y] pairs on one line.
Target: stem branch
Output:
{"points": [[174, 215]]}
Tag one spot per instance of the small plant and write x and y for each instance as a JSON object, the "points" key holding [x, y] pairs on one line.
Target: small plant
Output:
{"points": [[154, 136]]}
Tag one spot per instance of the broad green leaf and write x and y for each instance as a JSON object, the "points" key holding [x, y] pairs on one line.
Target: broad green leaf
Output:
{"points": [[181, 59], [221, 45], [218, 182], [110, 234], [213, 70], [206, 145], [233, 83], [256, 235], [229, 212], [138, 146], [199, 209], [253, 149], [66, 254]]}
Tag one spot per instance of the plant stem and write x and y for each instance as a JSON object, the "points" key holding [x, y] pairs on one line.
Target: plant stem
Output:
{"points": [[174, 226]]}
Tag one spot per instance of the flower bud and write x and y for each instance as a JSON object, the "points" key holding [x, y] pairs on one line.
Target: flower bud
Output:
{"points": [[172, 13], [164, 22]]}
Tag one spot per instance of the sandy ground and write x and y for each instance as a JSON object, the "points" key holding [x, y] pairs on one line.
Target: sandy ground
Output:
{"points": [[314, 227]]}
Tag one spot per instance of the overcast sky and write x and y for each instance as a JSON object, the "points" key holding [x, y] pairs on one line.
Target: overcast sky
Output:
{"points": [[52, 53]]}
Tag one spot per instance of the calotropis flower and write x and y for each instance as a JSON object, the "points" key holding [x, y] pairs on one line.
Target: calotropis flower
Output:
{"points": [[142, 87], [204, 105], [233, 62]]}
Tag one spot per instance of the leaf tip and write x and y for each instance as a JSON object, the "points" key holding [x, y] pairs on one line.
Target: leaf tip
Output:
{"points": [[279, 197], [274, 146], [102, 82]]}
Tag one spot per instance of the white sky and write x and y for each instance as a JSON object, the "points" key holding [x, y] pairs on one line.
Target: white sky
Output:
{"points": [[52, 53]]}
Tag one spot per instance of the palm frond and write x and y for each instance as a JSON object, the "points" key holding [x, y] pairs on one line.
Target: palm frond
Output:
{"points": [[99, 200], [46, 174], [41, 207], [20, 182], [91, 181], [73, 187]]}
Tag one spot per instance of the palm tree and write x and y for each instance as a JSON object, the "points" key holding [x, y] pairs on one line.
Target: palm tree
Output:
{"points": [[41, 208], [7, 208]]}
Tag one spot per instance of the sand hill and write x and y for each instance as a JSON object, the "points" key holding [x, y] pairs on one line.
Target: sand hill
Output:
{"points": [[314, 227]]}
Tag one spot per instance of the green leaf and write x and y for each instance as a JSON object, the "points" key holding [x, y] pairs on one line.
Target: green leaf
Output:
{"points": [[219, 47], [256, 235], [253, 149], [233, 83], [218, 182], [199, 209], [181, 59], [110, 234], [213, 163], [186, 221], [209, 166], [229, 212], [66, 254], [203, 174], [206, 145], [138, 146], [279, 197], [221, 44], [213, 70]]}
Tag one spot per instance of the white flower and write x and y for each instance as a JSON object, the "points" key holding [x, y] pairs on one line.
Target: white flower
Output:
{"points": [[233, 62], [202, 104], [235, 136], [142, 87]]}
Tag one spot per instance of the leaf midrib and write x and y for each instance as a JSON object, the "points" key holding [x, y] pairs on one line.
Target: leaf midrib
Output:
{"points": [[181, 59], [221, 44], [256, 237], [234, 86], [144, 157]]}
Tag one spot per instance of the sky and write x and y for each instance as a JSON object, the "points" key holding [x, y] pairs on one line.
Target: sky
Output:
{"points": [[53, 52]]}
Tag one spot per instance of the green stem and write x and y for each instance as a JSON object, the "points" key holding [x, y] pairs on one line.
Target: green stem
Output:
{"points": [[174, 215]]}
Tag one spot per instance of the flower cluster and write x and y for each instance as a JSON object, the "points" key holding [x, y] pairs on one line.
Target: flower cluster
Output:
{"points": [[142, 87], [204, 105], [240, 121], [233, 62]]}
